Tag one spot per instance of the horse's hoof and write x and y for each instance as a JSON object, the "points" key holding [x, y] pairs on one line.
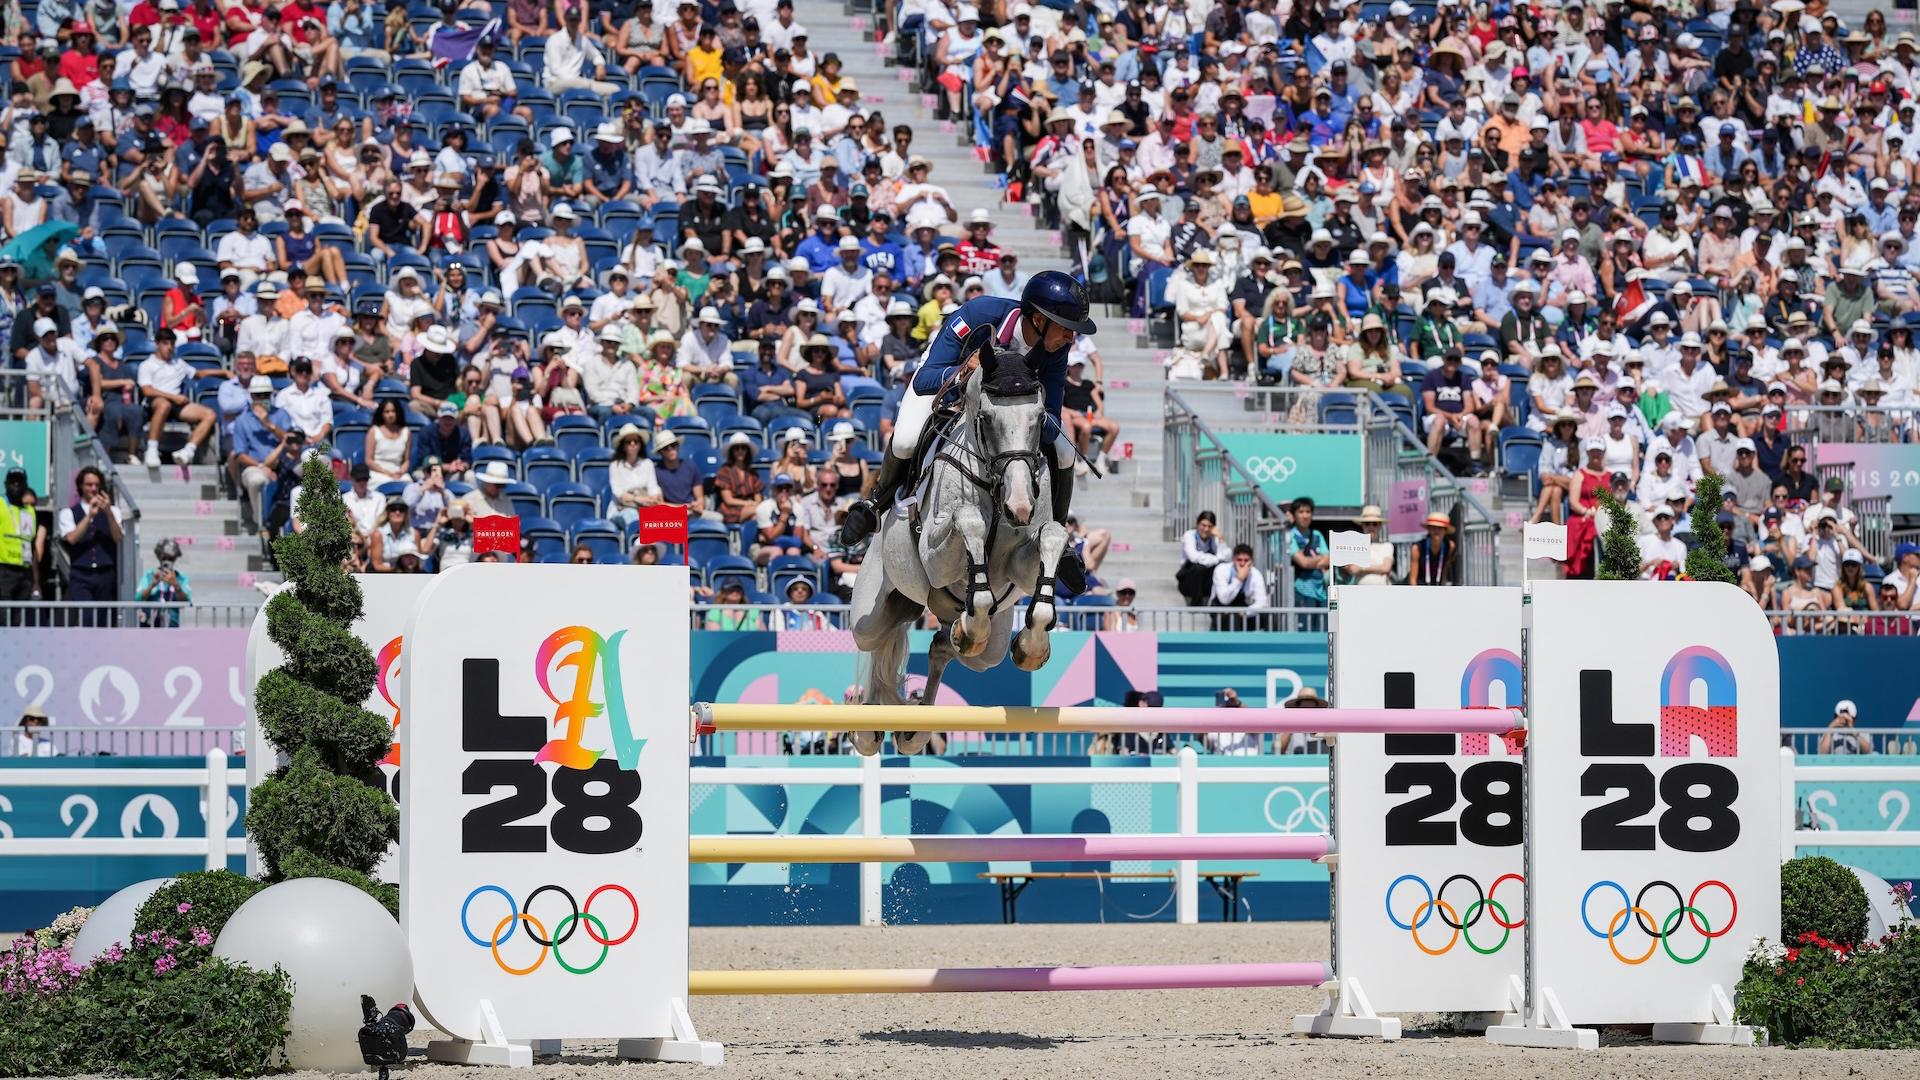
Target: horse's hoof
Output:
{"points": [[867, 743], [911, 742]]}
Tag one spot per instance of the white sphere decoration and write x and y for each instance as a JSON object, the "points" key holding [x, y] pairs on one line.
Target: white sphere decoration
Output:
{"points": [[112, 921], [337, 943]]}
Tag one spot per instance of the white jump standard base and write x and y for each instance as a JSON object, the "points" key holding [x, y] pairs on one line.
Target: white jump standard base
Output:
{"points": [[685, 1046], [1347, 1013], [495, 1051], [1547, 1027]]}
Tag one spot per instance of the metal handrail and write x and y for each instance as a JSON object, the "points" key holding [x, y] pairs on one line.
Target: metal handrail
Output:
{"points": [[1391, 455], [1219, 483], [126, 613]]}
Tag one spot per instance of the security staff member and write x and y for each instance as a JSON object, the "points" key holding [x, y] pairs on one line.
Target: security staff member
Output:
{"points": [[16, 540], [90, 531]]}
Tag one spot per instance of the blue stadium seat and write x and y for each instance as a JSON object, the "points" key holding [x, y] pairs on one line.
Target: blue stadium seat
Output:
{"points": [[721, 568], [548, 537], [590, 468], [544, 472], [718, 405], [572, 434], [525, 499], [706, 541], [570, 502], [600, 537]]}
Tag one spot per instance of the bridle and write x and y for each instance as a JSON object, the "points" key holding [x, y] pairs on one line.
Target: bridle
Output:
{"points": [[988, 473]]}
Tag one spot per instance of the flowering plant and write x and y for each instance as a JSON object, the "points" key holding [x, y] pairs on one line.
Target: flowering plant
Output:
{"points": [[160, 1004]]}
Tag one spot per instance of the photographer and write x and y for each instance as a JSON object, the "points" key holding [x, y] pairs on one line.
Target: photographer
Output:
{"points": [[284, 463], [164, 583]]}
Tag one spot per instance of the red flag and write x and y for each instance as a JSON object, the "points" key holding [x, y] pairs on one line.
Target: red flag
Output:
{"points": [[663, 524], [496, 532]]}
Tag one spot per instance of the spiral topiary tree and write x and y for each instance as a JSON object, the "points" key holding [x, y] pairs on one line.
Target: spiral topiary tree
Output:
{"points": [[1619, 550], [1708, 559], [326, 812]]}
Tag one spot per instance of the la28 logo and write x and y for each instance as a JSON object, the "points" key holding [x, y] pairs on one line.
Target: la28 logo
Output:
{"points": [[1698, 796], [596, 792]]}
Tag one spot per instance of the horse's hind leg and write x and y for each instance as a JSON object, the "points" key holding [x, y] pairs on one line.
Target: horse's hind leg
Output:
{"points": [[881, 635], [974, 627], [940, 652], [1031, 646]]}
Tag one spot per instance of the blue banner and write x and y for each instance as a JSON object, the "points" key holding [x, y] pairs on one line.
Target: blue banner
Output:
{"points": [[1329, 468], [1877, 674]]}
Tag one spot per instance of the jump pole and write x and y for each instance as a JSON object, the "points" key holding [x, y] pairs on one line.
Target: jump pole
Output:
{"points": [[943, 849], [1014, 980], [711, 717]]}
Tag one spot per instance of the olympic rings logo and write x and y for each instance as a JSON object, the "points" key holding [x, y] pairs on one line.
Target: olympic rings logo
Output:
{"points": [[1270, 468], [581, 916], [1661, 931], [1460, 922]]}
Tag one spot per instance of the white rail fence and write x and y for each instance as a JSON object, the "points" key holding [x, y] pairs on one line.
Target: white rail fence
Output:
{"points": [[218, 786]]}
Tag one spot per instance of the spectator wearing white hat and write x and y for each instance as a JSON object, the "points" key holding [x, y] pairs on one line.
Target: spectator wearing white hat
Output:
{"points": [[848, 280], [1379, 571], [705, 355], [610, 380], [1662, 555], [631, 480], [1673, 437], [489, 496], [1842, 737]]}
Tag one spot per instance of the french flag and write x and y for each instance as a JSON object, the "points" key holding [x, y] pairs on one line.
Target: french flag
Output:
{"points": [[1689, 167]]}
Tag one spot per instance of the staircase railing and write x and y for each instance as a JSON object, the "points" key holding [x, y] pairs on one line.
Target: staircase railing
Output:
{"points": [[1199, 473]]}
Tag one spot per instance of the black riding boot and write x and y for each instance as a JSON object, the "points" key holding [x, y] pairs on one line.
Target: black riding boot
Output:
{"points": [[863, 517], [1070, 574]]}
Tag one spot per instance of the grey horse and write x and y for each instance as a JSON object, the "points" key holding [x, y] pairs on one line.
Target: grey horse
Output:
{"points": [[979, 538]]}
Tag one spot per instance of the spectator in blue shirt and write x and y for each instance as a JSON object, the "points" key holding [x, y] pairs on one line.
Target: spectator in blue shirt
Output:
{"points": [[878, 252], [819, 248], [767, 389], [679, 479], [257, 445], [609, 168]]}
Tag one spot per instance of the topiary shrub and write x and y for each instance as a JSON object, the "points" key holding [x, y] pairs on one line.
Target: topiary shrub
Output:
{"points": [[326, 812], [204, 898], [1819, 896], [1708, 559], [1619, 549]]}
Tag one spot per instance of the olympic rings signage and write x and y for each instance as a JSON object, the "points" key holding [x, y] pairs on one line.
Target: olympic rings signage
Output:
{"points": [[579, 917], [1270, 469], [1428, 891], [1655, 714], [1325, 466], [1660, 932], [1460, 921], [545, 775]]}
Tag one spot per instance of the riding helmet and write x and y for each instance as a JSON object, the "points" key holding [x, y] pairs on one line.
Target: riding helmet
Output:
{"points": [[1058, 297]]}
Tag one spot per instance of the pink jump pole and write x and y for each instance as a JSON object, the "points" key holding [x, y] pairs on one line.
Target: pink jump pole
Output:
{"points": [[1013, 980], [714, 717]]}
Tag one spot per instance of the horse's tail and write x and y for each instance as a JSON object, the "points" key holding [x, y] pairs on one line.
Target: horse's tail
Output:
{"points": [[885, 667]]}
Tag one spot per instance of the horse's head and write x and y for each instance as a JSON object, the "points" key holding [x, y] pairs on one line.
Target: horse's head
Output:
{"points": [[1010, 413]]}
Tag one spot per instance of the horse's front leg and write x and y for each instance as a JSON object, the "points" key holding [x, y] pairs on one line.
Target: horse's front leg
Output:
{"points": [[975, 624], [1031, 646]]}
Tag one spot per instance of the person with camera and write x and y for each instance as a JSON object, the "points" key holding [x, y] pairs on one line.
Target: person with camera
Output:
{"points": [[283, 462], [90, 532], [164, 583]]}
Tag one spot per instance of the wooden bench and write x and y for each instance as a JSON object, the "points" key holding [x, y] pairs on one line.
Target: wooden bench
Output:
{"points": [[1226, 884]]}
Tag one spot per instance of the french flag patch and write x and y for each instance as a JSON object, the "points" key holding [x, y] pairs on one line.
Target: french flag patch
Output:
{"points": [[959, 327]]}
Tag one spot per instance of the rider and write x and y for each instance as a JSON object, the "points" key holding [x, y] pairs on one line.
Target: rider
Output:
{"points": [[1041, 326]]}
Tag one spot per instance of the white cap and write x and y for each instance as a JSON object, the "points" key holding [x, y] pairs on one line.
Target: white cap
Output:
{"points": [[560, 136], [710, 314], [43, 327]]}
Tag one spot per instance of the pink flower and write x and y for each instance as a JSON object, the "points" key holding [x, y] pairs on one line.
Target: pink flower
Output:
{"points": [[1800, 982], [184, 907], [201, 937], [165, 964]]}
